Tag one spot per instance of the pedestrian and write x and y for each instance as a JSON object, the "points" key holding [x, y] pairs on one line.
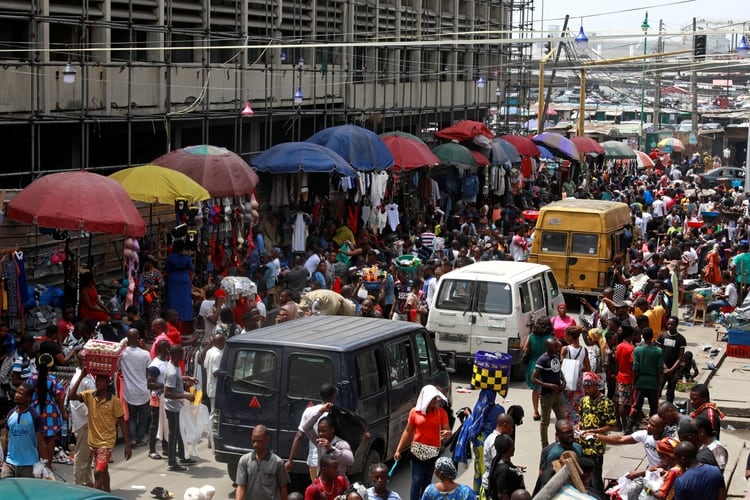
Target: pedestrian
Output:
{"points": [[328, 394], [533, 347], [699, 480], [548, 376], [326, 440], [428, 425], [330, 483], [700, 401], [158, 426], [133, 367], [447, 488], [379, 480], [211, 362], [79, 423], [648, 368], [504, 427], [562, 321], [688, 431], [504, 477], [578, 355], [707, 439], [105, 414], [178, 269], [597, 416], [624, 392], [49, 400], [175, 394], [261, 474], [23, 441], [672, 345]]}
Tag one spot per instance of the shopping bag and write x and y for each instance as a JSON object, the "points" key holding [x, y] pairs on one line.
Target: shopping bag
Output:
{"points": [[571, 369]]}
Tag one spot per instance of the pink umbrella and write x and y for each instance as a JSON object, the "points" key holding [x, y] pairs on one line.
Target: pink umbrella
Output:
{"points": [[408, 153], [644, 160]]}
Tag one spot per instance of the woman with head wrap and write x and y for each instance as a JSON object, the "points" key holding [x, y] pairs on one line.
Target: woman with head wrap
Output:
{"points": [[447, 488], [533, 347], [428, 425], [505, 478], [598, 417], [665, 448]]}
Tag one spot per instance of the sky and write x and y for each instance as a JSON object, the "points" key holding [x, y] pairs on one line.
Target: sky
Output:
{"points": [[614, 20]]}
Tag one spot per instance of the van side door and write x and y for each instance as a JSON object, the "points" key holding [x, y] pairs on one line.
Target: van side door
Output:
{"points": [[372, 390], [553, 291], [403, 383]]}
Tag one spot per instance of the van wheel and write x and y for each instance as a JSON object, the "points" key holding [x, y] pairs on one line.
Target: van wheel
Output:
{"points": [[232, 471], [373, 457]]}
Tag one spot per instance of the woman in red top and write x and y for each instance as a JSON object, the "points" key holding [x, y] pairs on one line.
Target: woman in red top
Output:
{"points": [[428, 424], [562, 321], [91, 306]]}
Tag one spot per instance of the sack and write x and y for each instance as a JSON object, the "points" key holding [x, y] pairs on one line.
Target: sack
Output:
{"points": [[571, 369], [37, 320], [491, 371], [194, 420], [424, 452]]}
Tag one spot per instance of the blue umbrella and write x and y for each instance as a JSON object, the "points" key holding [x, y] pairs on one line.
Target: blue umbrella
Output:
{"points": [[291, 157], [359, 146], [545, 153], [510, 150]]}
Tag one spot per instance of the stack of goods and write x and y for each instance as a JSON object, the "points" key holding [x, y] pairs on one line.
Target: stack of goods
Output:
{"points": [[372, 278], [102, 357]]}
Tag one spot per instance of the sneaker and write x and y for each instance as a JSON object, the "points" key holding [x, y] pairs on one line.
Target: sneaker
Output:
{"points": [[188, 461], [176, 468]]}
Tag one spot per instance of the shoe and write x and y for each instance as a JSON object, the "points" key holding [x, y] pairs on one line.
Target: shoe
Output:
{"points": [[537, 418], [155, 456], [188, 461], [138, 444], [176, 468]]}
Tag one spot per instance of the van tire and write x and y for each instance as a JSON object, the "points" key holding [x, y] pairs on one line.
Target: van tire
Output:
{"points": [[232, 471], [373, 457]]}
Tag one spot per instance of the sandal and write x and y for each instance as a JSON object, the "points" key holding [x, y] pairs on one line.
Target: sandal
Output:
{"points": [[537, 418], [154, 455]]}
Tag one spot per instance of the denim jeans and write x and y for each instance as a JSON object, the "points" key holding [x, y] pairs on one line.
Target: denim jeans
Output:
{"points": [[138, 422], [176, 446], [549, 403], [421, 476]]}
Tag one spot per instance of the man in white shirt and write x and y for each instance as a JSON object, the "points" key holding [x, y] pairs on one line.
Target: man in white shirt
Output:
{"points": [[79, 423], [726, 297], [504, 425], [134, 366], [211, 363], [210, 309], [328, 394], [658, 208]]}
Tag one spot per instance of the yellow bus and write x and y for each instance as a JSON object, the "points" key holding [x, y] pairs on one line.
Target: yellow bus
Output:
{"points": [[577, 239]]}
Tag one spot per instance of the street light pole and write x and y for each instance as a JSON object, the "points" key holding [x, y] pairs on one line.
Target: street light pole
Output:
{"points": [[645, 28]]}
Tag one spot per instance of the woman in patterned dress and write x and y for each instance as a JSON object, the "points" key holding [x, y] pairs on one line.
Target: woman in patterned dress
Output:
{"points": [[47, 400], [151, 280]]}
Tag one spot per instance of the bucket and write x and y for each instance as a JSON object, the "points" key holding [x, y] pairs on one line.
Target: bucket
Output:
{"points": [[491, 371]]}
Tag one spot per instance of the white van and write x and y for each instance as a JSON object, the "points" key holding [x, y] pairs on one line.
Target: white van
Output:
{"points": [[491, 306]]}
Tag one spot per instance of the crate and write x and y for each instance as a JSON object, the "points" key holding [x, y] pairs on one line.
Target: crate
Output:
{"points": [[102, 364], [738, 337], [738, 351]]}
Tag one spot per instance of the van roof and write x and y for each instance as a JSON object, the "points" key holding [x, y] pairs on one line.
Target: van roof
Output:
{"points": [[575, 204], [502, 269], [611, 214], [330, 333]]}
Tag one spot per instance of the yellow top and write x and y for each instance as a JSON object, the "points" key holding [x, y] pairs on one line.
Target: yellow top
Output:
{"points": [[103, 417]]}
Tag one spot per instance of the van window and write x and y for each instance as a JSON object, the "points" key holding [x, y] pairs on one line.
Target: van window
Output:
{"points": [[369, 372], [554, 290], [525, 298], [307, 372], [254, 372], [586, 244], [401, 362], [537, 294], [494, 298], [455, 295], [554, 241], [428, 362]]}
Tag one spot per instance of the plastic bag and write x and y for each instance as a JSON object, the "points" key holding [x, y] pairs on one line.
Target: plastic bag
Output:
{"points": [[571, 369], [41, 471], [652, 481], [194, 420]]}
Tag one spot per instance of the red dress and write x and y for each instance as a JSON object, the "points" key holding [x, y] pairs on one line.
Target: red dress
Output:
{"points": [[86, 312]]}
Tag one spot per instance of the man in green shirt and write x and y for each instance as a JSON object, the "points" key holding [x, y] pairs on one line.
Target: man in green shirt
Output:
{"points": [[648, 364]]}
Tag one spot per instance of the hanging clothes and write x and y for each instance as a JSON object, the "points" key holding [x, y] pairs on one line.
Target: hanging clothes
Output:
{"points": [[378, 185], [300, 223], [470, 188], [279, 193], [10, 275], [23, 290], [391, 211]]}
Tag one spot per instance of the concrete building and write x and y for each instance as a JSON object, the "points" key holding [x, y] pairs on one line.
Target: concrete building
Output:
{"points": [[105, 84]]}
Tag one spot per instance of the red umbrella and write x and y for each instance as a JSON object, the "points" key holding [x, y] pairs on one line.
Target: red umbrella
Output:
{"points": [[587, 145], [465, 130], [220, 171], [408, 153], [78, 201], [481, 160], [523, 145]]}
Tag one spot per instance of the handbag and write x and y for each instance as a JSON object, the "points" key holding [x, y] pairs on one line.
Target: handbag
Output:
{"points": [[424, 452], [571, 369]]}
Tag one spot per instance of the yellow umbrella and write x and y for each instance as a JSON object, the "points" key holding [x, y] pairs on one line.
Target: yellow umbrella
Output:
{"points": [[155, 184]]}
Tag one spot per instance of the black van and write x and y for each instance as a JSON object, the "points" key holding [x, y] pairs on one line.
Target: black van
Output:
{"points": [[270, 377]]}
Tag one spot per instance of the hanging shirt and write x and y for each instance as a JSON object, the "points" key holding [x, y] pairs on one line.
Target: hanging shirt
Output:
{"points": [[391, 212]]}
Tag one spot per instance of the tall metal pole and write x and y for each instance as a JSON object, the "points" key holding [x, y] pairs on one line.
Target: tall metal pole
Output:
{"points": [[644, 27], [694, 90], [747, 157], [582, 105], [657, 83]]}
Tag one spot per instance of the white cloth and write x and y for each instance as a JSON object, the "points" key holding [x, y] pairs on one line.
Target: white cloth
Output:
{"points": [[133, 366], [378, 186], [79, 412], [309, 414], [211, 363], [391, 212], [426, 395], [311, 264], [299, 235], [489, 455]]}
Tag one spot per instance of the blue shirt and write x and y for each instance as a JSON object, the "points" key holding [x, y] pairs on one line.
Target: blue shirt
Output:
{"points": [[22, 437], [701, 481]]}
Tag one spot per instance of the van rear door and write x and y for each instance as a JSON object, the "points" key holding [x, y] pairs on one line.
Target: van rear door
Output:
{"points": [[494, 322], [583, 262], [554, 246], [452, 315]]}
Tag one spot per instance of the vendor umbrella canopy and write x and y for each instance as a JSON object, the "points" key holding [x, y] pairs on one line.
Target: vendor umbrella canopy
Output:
{"points": [[465, 130], [220, 171], [455, 155], [408, 153], [671, 145], [510, 151], [618, 150], [155, 184], [559, 145], [644, 160], [361, 147], [587, 145], [481, 160], [545, 154], [78, 201], [291, 157], [523, 145], [398, 133]]}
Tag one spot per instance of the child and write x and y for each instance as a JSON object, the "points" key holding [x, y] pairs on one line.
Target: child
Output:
{"points": [[379, 479], [688, 368]]}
